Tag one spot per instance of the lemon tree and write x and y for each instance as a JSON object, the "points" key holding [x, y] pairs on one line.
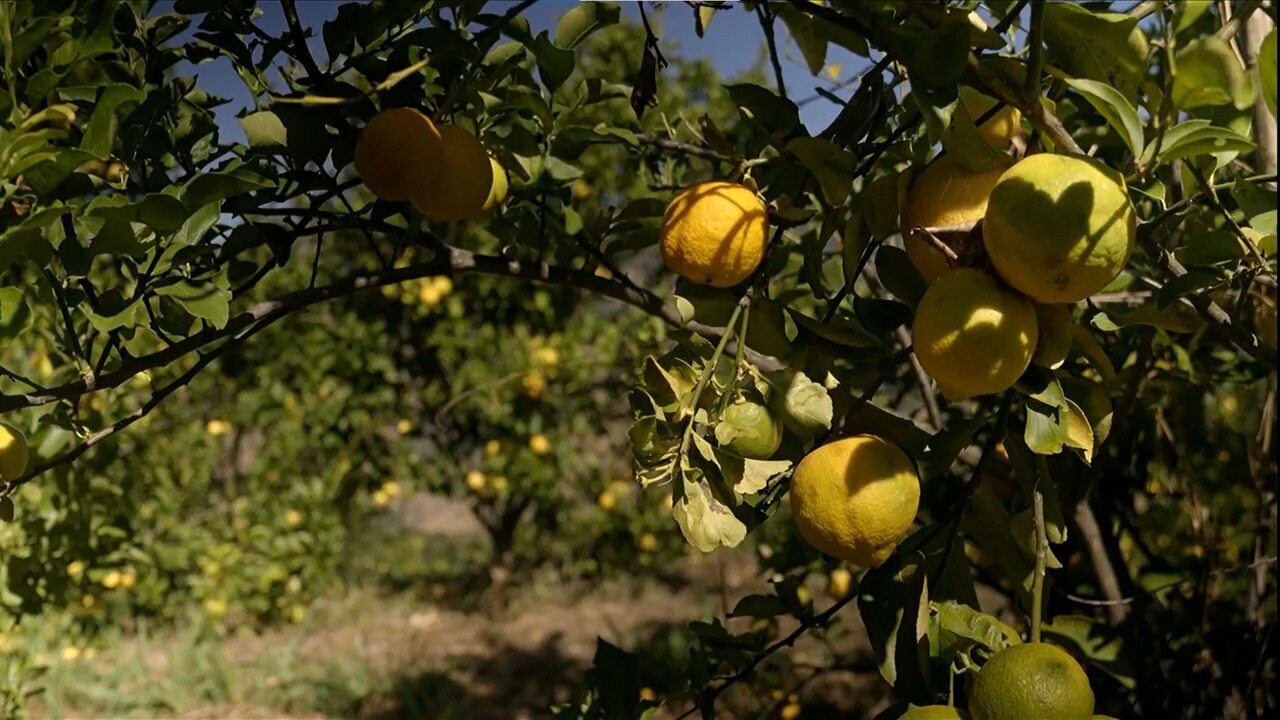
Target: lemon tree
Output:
{"points": [[973, 337]]}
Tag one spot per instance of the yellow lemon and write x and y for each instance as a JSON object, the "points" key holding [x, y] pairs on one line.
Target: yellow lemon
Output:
{"points": [[581, 190], [428, 295], [391, 488], [88, 601], [839, 583], [443, 285], [111, 580], [499, 484], [1031, 680], [648, 695], [944, 195], [932, 712], [400, 153], [648, 542], [380, 499], [14, 455], [293, 518], [545, 356], [607, 501], [70, 652], [217, 428], [998, 131], [790, 711], [128, 578], [404, 426], [974, 336], [855, 498], [497, 187], [215, 608], [1054, 342], [493, 447], [539, 444], [534, 384], [466, 179], [475, 481], [75, 567], [713, 233], [1059, 228]]}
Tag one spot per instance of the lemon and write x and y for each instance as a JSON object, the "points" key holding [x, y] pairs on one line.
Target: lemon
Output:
{"points": [[648, 695], [974, 336], [648, 542], [399, 153], [1031, 680], [944, 195], [539, 444], [607, 501], [713, 233], [1059, 228], [757, 435], [475, 481], [466, 179], [128, 578], [492, 447], [998, 131], [14, 455], [111, 580], [75, 567], [838, 583], [855, 498], [217, 428], [293, 518], [535, 383], [932, 712], [215, 608], [497, 188], [499, 484], [790, 711], [1054, 324]]}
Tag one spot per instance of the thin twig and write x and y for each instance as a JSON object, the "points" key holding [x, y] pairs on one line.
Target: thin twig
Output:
{"points": [[765, 16]]}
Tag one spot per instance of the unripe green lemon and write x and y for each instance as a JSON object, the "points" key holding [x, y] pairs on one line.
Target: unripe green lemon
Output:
{"points": [[855, 498], [933, 712], [973, 335], [757, 433], [1031, 680], [1059, 228]]}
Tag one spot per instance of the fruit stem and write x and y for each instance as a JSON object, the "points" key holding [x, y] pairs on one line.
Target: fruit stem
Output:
{"points": [[740, 356], [1037, 581], [705, 377]]}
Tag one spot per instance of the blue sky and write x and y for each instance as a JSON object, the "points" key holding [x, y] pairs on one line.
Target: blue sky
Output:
{"points": [[732, 43]]}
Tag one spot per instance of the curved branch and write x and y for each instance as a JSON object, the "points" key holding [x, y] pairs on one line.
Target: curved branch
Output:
{"points": [[456, 260]]}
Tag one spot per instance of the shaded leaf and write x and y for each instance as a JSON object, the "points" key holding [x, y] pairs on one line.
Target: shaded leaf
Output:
{"points": [[1115, 108]]}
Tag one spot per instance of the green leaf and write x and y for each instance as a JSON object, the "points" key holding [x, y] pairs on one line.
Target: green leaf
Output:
{"points": [[200, 298], [1117, 110], [555, 65], [212, 187], [1266, 66], [812, 46], [264, 129], [100, 132], [893, 600], [759, 606], [832, 166], [1188, 11], [15, 314], [1103, 46], [935, 57], [1196, 137], [1098, 643], [987, 522], [804, 405], [582, 20], [747, 476], [1209, 73], [899, 276], [973, 625], [706, 522], [775, 113], [163, 213]]}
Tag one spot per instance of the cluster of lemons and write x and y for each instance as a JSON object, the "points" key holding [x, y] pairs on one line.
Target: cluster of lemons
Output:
{"points": [[386, 494], [481, 484], [444, 170], [427, 291], [542, 359], [1027, 243]]}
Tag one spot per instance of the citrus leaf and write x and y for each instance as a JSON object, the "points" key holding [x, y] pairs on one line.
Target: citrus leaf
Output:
{"points": [[264, 129], [1115, 108], [582, 20], [973, 625], [705, 521], [15, 314], [1209, 73], [804, 405], [832, 166], [1103, 46], [1266, 63]]}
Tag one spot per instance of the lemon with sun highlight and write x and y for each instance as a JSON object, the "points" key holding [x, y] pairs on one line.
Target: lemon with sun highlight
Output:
{"points": [[944, 195], [973, 335], [713, 233]]}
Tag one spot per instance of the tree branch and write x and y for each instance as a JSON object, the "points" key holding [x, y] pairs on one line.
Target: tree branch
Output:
{"points": [[290, 8]]}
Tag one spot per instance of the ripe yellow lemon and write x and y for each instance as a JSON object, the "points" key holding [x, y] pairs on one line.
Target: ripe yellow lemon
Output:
{"points": [[399, 153], [944, 195], [539, 444], [465, 179], [1031, 680], [713, 233], [14, 455], [855, 498], [839, 582], [756, 434], [1054, 323], [932, 712], [497, 188], [1059, 228], [998, 131], [973, 335]]}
